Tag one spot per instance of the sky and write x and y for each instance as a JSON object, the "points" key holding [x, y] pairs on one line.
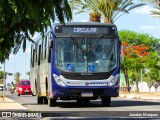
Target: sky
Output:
{"points": [[138, 20]]}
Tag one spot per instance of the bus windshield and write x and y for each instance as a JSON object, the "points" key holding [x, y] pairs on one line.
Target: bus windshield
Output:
{"points": [[85, 54]]}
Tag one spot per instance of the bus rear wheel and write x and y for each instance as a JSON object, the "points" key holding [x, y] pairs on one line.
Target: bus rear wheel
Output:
{"points": [[45, 100], [52, 102], [39, 100], [106, 101]]}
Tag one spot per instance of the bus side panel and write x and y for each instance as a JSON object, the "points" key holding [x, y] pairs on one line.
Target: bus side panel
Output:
{"points": [[43, 76], [49, 81], [34, 80]]}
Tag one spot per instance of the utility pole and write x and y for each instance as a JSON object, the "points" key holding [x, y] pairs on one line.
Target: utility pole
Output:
{"points": [[4, 80], [25, 64], [141, 82], [14, 68]]}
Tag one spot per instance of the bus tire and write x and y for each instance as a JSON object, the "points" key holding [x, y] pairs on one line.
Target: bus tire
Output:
{"points": [[39, 100], [106, 101], [45, 100], [52, 102]]}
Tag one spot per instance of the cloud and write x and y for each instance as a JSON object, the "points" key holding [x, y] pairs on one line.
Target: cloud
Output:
{"points": [[143, 10], [28, 50], [36, 35], [150, 27], [84, 21], [11, 56]]}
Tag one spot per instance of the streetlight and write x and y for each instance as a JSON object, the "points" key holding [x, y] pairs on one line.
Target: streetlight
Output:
{"points": [[25, 64]]}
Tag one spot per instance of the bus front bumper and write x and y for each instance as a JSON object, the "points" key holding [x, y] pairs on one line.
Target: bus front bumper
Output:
{"points": [[67, 92]]}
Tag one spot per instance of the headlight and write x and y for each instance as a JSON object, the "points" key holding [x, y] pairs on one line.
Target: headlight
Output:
{"points": [[20, 89], [114, 80], [58, 80]]}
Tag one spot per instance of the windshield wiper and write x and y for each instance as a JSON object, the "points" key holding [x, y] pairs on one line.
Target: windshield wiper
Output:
{"points": [[94, 44], [76, 43]]}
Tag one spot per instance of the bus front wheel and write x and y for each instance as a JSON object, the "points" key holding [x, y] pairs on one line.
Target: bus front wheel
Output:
{"points": [[106, 101], [52, 102]]}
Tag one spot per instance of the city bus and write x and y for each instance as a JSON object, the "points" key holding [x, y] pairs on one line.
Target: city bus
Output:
{"points": [[76, 61]]}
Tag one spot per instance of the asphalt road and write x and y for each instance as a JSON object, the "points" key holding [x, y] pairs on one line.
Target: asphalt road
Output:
{"points": [[120, 108]]}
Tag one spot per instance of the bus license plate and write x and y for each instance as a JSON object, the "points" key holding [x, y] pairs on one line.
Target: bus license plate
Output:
{"points": [[87, 94]]}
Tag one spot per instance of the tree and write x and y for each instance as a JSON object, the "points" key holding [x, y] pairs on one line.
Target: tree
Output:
{"points": [[17, 77], [156, 5], [2, 73], [134, 57], [153, 69], [152, 2], [109, 10], [24, 18], [28, 73], [89, 6], [135, 51]]}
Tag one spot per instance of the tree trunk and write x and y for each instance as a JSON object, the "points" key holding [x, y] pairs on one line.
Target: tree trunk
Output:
{"points": [[127, 80], [137, 81], [137, 88], [95, 17], [106, 20], [158, 2]]}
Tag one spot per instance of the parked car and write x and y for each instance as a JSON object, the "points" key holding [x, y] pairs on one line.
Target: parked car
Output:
{"points": [[24, 88]]}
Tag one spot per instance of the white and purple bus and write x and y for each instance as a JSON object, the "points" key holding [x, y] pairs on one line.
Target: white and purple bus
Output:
{"points": [[76, 61]]}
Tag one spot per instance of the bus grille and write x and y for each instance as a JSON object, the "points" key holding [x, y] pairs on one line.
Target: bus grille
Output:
{"points": [[78, 91], [94, 76]]}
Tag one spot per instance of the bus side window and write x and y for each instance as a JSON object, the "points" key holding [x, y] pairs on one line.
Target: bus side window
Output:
{"points": [[49, 55], [36, 54], [42, 51], [45, 47], [39, 55], [33, 55]]}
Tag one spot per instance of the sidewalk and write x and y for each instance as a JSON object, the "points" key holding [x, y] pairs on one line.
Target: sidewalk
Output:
{"points": [[141, 96], [7, 104]]}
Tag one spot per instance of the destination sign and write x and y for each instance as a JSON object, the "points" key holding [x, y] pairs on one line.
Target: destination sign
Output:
{"points": [[84, 30]]}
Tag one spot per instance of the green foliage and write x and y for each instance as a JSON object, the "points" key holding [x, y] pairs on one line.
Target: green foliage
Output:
{"points": [[17, 77], [135, 38], [113, 9], [151, 64], [108, 9], [2, 73], [20, 19], [28, 73]]}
